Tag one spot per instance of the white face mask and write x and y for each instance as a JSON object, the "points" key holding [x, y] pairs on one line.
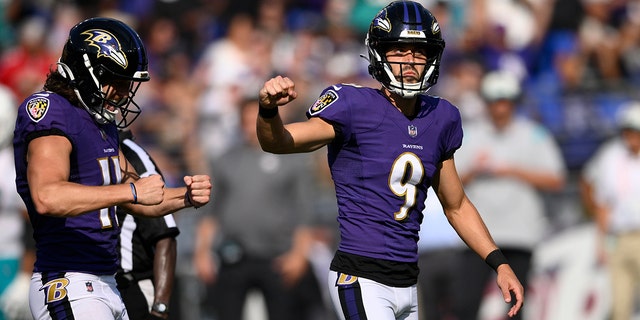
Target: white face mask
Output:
{"points": [[408, 90]]}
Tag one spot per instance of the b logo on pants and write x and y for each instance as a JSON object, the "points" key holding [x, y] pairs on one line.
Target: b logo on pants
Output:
{"points": [[56, 290]]}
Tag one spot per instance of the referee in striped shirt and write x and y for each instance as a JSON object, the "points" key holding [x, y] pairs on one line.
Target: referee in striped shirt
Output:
{"points": [[147, 249]]}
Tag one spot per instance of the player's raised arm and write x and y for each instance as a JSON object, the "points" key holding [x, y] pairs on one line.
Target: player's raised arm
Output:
{"points": [[274, 135]]}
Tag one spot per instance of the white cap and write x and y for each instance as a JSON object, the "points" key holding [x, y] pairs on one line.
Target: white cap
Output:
{"points": [[499, 85], [629, 116], [7, 116]]}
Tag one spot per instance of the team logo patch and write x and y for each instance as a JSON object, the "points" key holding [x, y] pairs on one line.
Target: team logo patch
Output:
{"points": [[413, 130], [345, 279], [107, 44], [55, 289], [323, 102], [37, 108]]}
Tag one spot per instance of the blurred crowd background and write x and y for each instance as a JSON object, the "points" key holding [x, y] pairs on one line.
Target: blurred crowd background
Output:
{"points": [[578, 62]]}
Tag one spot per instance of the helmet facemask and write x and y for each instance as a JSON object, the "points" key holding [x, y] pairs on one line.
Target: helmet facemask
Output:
{"points": [[127, 109], [122, 110], [381, 69]]}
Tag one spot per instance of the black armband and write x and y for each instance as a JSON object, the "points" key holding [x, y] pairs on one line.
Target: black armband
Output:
{"points": [[267, 113], [495, 259]]}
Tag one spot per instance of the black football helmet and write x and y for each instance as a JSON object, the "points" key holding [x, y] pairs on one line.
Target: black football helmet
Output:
{"points": [[105, 51], [404, 22]]}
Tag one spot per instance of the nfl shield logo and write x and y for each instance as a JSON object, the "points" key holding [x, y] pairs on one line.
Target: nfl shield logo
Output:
{"points": [[413, 131], [89, 286]]}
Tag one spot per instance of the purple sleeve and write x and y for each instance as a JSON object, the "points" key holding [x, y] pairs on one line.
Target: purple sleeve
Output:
{"points": [[332, 106]]}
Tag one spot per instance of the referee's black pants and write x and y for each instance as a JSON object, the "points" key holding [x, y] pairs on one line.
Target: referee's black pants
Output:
{"points": [[134, 300], [227, 296]]}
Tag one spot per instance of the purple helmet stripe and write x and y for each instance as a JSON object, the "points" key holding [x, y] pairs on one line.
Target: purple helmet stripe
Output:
{"points": [[406, 12], [416, 12], [418, 17]]}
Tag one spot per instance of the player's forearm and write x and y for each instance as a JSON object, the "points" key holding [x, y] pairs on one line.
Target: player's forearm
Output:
{"points": [[272, 135], [294, 137], [67, 199], [471, 229], [174, 200]]}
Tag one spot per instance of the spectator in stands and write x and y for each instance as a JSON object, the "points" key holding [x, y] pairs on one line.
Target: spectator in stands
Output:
{"points": [[506, 159], [610, 188]]}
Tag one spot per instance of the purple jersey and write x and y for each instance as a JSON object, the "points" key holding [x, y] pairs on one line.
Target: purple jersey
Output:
{"points": [[85, 243], [382, 164]]}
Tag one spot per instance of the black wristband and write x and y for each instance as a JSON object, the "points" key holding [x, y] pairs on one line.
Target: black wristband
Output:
{"points": [[267, 113], [188, 198], [495, 259]]}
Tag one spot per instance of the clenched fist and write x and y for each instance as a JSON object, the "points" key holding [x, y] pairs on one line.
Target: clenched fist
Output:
{"points": [[276, 92], [198, 190], [150, 190]]}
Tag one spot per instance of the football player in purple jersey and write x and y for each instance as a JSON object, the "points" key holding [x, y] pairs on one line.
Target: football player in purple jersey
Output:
{"points": [[72, 175], [386, 147]]}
